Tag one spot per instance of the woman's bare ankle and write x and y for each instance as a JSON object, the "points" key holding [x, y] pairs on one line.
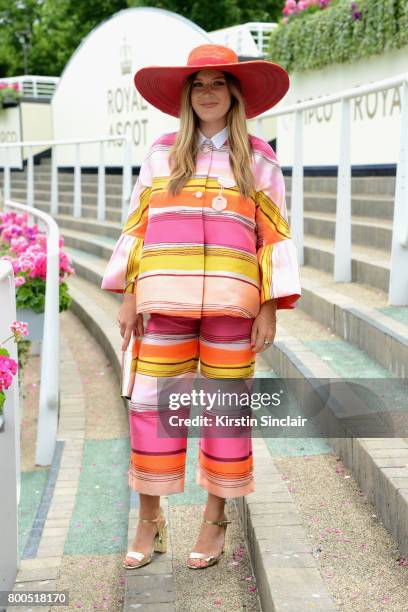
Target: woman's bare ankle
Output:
{"points": [[149, 506], [215, 508]]}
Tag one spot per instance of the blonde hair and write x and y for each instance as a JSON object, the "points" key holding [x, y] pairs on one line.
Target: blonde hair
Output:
{"points": [[184, 151]]}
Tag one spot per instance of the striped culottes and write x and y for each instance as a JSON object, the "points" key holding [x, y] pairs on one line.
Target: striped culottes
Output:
{"points": [[173, 347]]}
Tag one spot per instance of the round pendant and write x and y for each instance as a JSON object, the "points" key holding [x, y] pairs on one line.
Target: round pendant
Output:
{"points": [[219, 203]]}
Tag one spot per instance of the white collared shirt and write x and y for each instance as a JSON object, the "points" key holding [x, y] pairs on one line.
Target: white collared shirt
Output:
{"points": [[217, 140]]}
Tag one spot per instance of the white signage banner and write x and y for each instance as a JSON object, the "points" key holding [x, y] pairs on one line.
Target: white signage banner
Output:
{"points": [[96, 96], [375, 117], [10, 131]]}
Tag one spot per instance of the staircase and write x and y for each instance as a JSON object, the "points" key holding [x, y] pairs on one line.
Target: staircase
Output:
{"points": [[343, 330]]}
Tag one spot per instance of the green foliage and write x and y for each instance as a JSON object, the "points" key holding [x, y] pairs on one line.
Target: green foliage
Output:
{"points": [[7, 94], [65, 298], [32, 295], [23, 350], [216, 14], [51, 30], [2, 400], [332, 35]]}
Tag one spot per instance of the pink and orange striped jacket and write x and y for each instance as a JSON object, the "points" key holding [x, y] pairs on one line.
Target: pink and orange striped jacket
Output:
{"points": [[183, 256]]}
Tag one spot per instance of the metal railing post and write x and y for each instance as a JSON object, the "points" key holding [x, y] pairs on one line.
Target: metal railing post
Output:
{"points": [[77, 183], [398, 286], [49, 388], [342, 241], [101, 210], [9, 442], [54, 181], [49, 391], [7, 184], [127, 179], [30, 177], [297, 206]]}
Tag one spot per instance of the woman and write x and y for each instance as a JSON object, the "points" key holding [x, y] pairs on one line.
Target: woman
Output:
{"points": [[206, 251]]}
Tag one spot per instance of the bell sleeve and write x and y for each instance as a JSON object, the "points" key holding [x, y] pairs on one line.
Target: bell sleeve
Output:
{"points": [[122, 270], [276, 252]]}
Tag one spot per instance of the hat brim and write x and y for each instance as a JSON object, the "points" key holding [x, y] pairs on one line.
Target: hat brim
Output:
{"points": [[263, 84]]}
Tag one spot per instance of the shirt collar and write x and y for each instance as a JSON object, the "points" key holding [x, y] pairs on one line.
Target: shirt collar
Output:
{"points": [[218, 139]]}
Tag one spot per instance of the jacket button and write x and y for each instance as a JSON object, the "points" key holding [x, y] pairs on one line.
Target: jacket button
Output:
{"points": [[198, 194]]}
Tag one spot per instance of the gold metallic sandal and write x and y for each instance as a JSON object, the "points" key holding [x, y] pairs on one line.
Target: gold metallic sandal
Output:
{"points": [[210, 559], [159, 544]]}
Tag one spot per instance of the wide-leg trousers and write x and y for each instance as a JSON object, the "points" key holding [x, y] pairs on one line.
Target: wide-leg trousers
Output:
{"points": [[174, 347]]}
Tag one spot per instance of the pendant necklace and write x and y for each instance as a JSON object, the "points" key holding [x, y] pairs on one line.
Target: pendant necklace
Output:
{"points": [[219, 202]]}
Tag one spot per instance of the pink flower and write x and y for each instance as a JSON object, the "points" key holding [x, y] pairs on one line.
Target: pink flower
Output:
{"points": [[8, 368], [19, 329], [19, 280], [30, 247]]}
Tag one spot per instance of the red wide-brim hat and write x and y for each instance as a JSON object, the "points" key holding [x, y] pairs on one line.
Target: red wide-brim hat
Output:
{"points": [[263, 83]]}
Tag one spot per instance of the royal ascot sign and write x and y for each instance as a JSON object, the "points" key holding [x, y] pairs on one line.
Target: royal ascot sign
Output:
{"points": [[96, 97], [374, 117]]}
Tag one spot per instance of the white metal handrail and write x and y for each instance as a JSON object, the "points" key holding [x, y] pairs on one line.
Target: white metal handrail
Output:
{"points": [[261, 32], [398, 285], [49, 388], [236, 37], [9, 441], [101, 203], [34, 86]]}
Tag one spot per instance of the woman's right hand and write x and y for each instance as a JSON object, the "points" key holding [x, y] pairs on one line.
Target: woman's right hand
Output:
{"points": [[128, 319]]}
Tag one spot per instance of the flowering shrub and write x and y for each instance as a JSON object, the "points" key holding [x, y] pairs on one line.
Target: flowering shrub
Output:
{"points": [[9, 92], [349, 31], [25, 247], [9, 367], [292, 7]]}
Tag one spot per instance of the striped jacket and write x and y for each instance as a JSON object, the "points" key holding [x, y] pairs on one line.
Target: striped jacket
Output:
{"points": [[208, 251]]}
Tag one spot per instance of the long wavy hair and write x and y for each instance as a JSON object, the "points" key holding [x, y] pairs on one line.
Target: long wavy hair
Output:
{"points": [[183, 153]]}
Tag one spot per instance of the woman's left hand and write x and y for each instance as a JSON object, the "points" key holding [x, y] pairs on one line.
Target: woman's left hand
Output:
{"points": [[264, 327]]}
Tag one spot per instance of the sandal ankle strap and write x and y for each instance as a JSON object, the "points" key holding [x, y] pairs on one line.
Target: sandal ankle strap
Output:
{"points": [[160, 517], [219, 523], [150, 520]]}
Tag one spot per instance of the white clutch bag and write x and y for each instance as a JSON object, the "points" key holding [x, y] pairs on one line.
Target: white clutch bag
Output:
{"points": [[128, 371]]}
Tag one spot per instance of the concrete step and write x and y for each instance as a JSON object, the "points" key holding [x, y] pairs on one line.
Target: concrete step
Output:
{"points": [[88, 199], [101, 246], [63, 177], [369, 266], [43, 191], [91, 268], [370, 185], [89, 211], [360, 315], [375, 206], [365, 231], [378, 464]]}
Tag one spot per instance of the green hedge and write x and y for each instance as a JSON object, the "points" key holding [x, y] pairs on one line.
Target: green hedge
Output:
{"points": [[329, 36]]}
